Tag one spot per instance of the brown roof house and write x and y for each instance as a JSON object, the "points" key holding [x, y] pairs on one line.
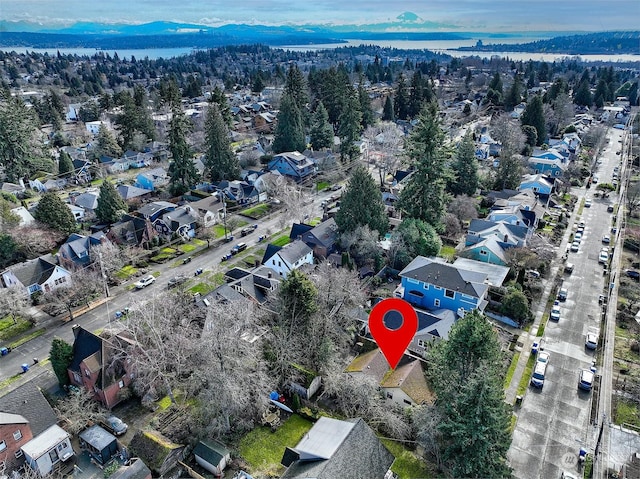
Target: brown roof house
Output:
{"points": [[92, 367], [405, 386]]}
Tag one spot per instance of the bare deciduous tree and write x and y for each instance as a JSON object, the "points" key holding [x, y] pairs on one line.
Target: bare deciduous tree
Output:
{"points": [[85, 285], [14, 302], [109, 257], [164, 345], [385, 145], [34, 241], [78, 409]]}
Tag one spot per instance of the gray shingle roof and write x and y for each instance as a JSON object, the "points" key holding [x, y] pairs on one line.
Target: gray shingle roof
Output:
{"points": [[294, 251], [433, 271], [350, 450], [27, 401], [35, 271]]}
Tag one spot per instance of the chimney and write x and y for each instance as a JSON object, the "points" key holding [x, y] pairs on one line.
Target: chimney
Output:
{"points": [[506, 237], [76, 329], [269, 275]]}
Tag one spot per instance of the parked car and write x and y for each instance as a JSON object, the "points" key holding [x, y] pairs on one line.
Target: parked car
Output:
{"points": [[539, 371], [575, 246], [587, 203], [603, 258], [578, 236], [115, 425], [562, 294], [176, 281], [585, 382], [610, 209], [239, 247], [543, 357], [336, 187], [592, 340], [606, 239], [533, 273], [122, 313], [555, 313], [633, 274], [568, 268], [144, 282]]}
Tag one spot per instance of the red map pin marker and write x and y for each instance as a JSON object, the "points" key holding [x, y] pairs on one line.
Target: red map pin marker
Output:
{"points": [[393, 342]]}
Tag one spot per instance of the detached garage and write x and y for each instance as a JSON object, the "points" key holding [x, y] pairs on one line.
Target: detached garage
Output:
{"points": [[101, 444], [212, 456]]}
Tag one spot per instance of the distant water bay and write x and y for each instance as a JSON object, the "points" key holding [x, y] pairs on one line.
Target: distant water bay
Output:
{"points": [[439, 46]]}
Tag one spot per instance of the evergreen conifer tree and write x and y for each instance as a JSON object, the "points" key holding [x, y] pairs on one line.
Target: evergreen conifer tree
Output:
{"points": [[220, 162], [361, 204], [111, 206]]}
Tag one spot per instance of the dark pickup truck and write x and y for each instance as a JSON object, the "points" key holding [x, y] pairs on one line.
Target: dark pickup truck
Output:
{"points": [[239, 247]]}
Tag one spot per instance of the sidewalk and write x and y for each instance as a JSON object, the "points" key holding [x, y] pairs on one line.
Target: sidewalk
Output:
{"points": [[526, 338]]}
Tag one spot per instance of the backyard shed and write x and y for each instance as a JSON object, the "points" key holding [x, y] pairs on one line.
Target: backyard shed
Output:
{"points": [[212, 456], [101, 444]]}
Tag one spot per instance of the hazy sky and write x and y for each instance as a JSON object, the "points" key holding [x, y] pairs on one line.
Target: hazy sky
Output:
{"points": [[487, 15]]}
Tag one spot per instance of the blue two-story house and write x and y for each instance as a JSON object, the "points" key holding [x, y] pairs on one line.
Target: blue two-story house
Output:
{"points": [[293, 165], [431, 283]]}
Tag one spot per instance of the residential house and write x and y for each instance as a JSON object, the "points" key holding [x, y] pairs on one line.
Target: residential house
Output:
{"points": [[496, 274], [256, 285], [489, 250], [157, 450], [26, 218], [241, 192], [13, 188], [289, 257], [136, 469], [152, 179], [52, 184], [404, 386], [334, 448], [154, 210], [91, 367], [81, 170], [73, 111], [49, 451], [324, 159], [132, 231], [37, 275], [129, 192], [136, 159], [506, 233], [212, 456], [75, 253], [539, 184], [293, 165], [24, 414], [549, 162], [264, 122], [99, 443], [322, 239], [88, 201], [181, 221], [93, 127], [77, 212], [431, 283], [210, 210]]}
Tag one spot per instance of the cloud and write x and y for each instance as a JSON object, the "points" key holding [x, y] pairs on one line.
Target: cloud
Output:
{"points": [[513, 15]]}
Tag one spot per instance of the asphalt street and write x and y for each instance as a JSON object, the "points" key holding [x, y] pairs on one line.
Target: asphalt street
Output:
{"points": [[556, 421], [121, 296]]}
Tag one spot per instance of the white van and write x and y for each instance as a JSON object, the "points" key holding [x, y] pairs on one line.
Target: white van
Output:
{"points": [[537, 378]]}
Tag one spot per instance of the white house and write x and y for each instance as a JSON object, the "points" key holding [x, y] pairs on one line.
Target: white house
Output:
{"points": [[48, 449], [25, 217], [93, 127], [77, 211], [40, 274], [290, 257], [73, 111]]}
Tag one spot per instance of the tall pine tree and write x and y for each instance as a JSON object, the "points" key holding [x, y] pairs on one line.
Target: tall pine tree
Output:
{"points": [[321, 130], [366, 112], [533, 115], [465, 168], [387, 110], [111, 206], [361, 204], [65, 165], [182, 171], [473, 419], [289, 134], [424, 196], [350, 127], [401, 100], [54, 213], [220, 162]]}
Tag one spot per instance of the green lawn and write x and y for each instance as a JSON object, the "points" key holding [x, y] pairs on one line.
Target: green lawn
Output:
{"points": [[187, 247], [263, 449], [626, 412], [447, 251], [407, 464], [27, 338], [281, 240], [322, 185], [257, 211], [526, 376], [126, 272], [218, 230], [511, 370], [10, 328]]}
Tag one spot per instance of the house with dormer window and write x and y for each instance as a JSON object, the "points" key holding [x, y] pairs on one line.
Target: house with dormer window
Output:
{"points": [[293, 165], [42, 274], [431, 283], [284, 260]]}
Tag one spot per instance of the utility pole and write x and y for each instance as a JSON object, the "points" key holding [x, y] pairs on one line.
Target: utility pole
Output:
{"points": [[104, 276]]}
